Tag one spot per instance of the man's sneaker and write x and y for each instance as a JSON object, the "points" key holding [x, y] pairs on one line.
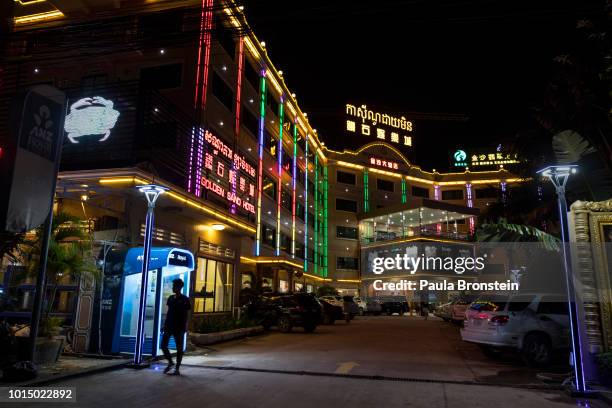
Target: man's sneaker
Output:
{"points": [[168, 368], [176, 372]]}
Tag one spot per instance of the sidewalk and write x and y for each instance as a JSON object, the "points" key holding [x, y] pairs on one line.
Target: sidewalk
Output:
{"points": [[69, 367]]}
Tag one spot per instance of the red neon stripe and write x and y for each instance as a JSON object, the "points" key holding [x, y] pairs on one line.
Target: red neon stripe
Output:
{"points": [[239, 83]]}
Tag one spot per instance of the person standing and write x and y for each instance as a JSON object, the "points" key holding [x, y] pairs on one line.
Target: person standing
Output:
{"points": [[175, 325]]}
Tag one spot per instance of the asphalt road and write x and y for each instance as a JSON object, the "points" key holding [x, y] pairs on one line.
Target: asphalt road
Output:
{"points": [[389, 346], [430, 365]]}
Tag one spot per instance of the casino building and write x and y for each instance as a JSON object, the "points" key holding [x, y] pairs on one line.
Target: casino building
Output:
{"points": [[183, 94]]}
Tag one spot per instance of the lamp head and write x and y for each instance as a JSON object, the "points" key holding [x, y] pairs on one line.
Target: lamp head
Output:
{"points": [[152, 192]]}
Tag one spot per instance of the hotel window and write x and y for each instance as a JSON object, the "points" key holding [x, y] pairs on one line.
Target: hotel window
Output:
{"points": [[269, 187], [346, 232], [299, 250], [346, 205], [285, 243], [251, 74], [299, 175], [268, 235], [162, 76], [452, 195], [225, 39], [250, 122], [490, 192], [271, 102], [286, 200], [299, 211], [420, 192], [287, 163], [345, 262], [311, 219], [223, 92], [384, 185], [213, 286], [345, 178]]}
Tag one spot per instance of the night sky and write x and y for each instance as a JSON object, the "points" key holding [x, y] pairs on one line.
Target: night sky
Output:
{"points": [[489, 60]]}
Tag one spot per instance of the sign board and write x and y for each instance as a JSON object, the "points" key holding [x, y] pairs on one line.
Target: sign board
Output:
{"points": [[483, 158], [377, 161], [90, 116], [227, 173], [28, 167], [379, 126]]}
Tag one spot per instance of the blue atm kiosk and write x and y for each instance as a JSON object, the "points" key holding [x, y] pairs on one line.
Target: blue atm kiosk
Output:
{"points": [[166, 264]]}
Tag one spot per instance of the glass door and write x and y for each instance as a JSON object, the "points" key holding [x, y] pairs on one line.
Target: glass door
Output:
{"points": [[129, 315]]}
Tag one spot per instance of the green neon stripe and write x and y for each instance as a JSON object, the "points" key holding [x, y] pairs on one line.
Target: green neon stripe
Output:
{"points": [[404, 191], [316, 214], [366, 191]]}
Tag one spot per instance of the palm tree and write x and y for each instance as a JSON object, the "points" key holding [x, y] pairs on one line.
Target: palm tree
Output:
{"points": [[69, 257]]}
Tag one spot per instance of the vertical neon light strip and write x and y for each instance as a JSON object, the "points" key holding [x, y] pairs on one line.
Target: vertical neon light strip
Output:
{"points": [[279, 187], [238, 106], [504, 190], [404, 197], [306, 204], [366, 191], [316, 213], [201, 86], [325, 235], [470, 203], [293, 186], [262, 124], [437, 198]]}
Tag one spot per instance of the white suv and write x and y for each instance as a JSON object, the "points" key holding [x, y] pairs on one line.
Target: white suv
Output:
{"points": [[534, 324]]}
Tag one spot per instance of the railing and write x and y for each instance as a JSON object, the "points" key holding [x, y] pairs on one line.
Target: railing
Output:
{"points": [[392, 237]]}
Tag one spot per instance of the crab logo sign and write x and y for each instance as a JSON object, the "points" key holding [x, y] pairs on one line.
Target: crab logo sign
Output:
{"points": [[90, 116]]}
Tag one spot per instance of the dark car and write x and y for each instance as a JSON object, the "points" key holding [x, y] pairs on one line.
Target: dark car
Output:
{"points": [[332, 312], [285, 311], [390, 307]]}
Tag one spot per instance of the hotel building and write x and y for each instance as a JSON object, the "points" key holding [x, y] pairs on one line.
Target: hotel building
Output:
{"points": [[183, 94]]}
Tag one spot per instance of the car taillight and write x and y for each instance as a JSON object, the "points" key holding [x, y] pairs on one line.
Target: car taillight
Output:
{"points": [[500, 320], [482, 316]]}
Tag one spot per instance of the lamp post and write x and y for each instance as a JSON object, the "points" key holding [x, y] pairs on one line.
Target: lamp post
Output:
{"points": [[559, 175], [152, 193]]}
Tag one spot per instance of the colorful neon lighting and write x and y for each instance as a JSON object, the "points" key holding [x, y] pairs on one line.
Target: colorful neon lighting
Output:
{"points": [[293, 180], [260, 170], [366, 191], [306, 204], [238, 106], [325, 234], [504, 190], [316, 215], [279, 186], [404, 196], [201, 82], [470, 203], [437, 198]]}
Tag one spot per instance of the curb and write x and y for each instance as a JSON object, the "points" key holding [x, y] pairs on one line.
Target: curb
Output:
{"points": [[205, 339], [61, 377]]}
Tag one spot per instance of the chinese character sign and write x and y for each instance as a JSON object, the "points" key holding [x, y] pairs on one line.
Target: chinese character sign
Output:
{"points": [[228, 174], [381, 126], [391, 165]]}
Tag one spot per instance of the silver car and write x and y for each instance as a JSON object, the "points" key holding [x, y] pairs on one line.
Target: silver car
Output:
{"points": [[533, 324]]}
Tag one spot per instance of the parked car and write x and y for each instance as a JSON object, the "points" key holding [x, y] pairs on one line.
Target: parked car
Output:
{"points": [[443, 311], [286, 311], [373, 307], [390, 307], [362, 304], [346, 302], [533, 324], [332, 312], [459, 306]]}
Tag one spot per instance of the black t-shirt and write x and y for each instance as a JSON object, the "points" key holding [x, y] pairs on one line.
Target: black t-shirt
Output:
{"points": [[176, 318]]}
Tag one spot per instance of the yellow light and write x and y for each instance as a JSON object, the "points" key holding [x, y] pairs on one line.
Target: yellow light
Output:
{"points": [[179, 197], [274, 261], [349, 280], [251, 47], [32, 18], [218, 227], [316, 277], [28, 2]]}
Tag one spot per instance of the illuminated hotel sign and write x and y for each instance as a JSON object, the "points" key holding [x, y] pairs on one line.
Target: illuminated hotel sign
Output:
{"points": [[483, 158], [381, 126], [90, 116], [375, 161], [228, 174]]}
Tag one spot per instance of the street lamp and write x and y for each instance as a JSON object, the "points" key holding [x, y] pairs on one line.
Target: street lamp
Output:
{"points": [[152, 193], [559, 175]]}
